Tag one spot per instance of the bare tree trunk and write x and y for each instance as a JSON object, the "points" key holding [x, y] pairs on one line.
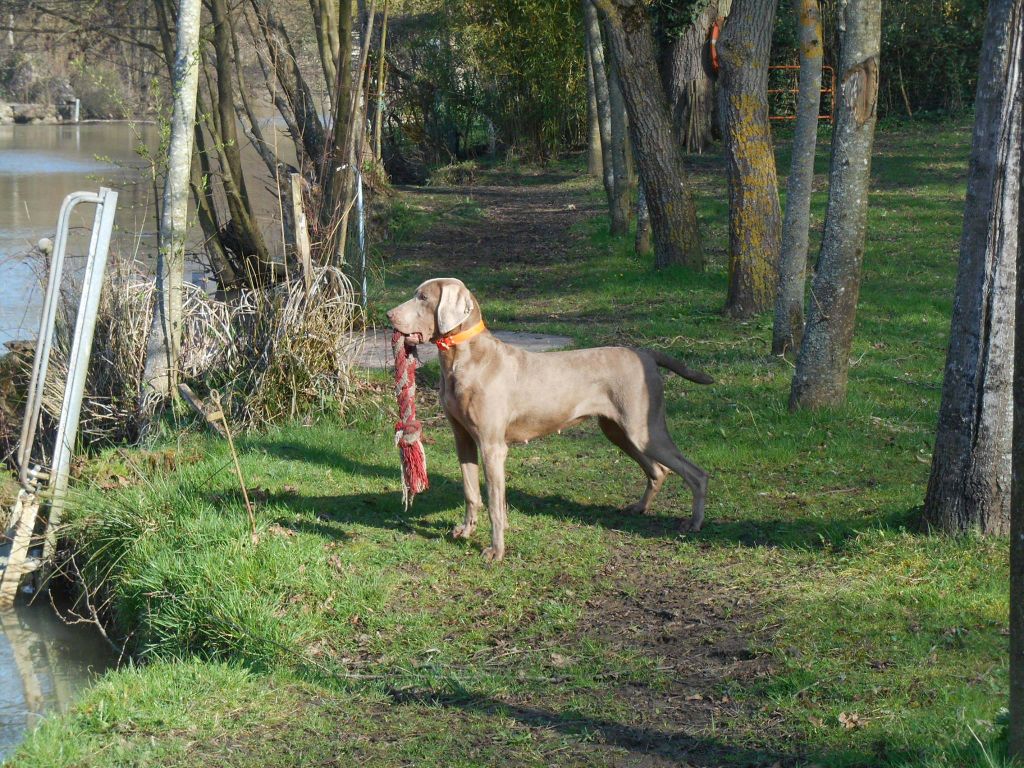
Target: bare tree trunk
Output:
{"points": [[824, 361], [378, 120], [202, 193], [788, 329], [595, 46], [969, 487], [1015, 728], [688, 84], [247, 230], [755, 218], [162, 373], [620, 202], [659, 157], [595, 161]]}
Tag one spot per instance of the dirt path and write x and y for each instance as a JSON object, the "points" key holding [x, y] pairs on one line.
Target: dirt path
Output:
{"points": [[526, 218]]}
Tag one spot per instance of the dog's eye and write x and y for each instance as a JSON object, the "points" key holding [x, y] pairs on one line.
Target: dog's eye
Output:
{"points": [[422, 297]]}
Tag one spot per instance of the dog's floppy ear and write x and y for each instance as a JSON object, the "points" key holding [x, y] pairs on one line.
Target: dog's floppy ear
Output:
{"points": [[454, 306]]}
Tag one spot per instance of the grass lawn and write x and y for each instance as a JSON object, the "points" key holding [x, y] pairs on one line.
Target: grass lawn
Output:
{"points": [[809, 623]]}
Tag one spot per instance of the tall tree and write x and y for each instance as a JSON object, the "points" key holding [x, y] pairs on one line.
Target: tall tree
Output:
{"points": [[823, 363], [788, 329], [1016, 725], [755, 218], [621, 155], [595, 162], [162, 366], [685, 69], [247, 232], [969, 487], [595, 49], [658, 154]]}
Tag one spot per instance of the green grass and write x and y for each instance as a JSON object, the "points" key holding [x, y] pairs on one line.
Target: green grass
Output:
{"points": [[356, 632]]}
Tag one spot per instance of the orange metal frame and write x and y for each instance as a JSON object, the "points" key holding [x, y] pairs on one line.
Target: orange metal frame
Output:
{"points": [[829, 91]]}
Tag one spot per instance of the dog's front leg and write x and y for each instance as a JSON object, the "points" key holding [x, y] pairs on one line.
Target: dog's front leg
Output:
{"points": [[466, 448], [494, 453]]}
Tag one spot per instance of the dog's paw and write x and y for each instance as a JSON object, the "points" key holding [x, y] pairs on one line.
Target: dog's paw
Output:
{"points": [[688, 526], [636, 508], [492, 555], [462, 531]]}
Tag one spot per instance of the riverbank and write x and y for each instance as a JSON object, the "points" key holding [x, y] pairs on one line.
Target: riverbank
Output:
{"points": [[808, 623]]}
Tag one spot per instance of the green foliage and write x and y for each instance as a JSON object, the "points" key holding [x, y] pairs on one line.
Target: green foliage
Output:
{"points": [[674, 16], [930, 52], [514, 66]]}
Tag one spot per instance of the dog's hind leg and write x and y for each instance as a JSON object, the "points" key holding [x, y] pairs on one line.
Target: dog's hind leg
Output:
{"points": [[655, 471], [663, 450]]}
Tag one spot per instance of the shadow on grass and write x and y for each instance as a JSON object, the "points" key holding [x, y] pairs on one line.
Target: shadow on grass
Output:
{"points": [[383, 510], [646, 744]]}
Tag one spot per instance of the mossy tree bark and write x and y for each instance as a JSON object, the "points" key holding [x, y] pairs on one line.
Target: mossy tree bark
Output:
{"points": [[788, 328], [755, 218], [823, 364], [969, 487], [686, 74], [658, 155]]}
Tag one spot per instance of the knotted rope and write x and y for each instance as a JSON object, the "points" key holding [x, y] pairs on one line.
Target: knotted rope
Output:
{"points": [[408, 429]]}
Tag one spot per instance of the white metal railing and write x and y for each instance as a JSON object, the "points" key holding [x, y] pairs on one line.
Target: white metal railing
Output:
{"points": [[23, 517]]}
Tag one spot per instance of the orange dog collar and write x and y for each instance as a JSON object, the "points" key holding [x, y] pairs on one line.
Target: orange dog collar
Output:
{"points": [[447, 342]]}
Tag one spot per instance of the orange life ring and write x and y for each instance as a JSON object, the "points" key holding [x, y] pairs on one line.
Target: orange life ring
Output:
{"points": [[716, 28]]}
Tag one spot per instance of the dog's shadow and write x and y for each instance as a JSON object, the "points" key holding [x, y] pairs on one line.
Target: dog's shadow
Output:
{"points": [[322, 514]]}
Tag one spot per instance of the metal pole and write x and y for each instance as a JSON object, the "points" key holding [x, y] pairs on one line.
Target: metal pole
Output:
{"points": [[44, 342], [78, 362], [362, 233]]}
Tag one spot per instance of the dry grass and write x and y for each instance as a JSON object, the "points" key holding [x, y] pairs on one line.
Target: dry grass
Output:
{"points": [[272, 353]]}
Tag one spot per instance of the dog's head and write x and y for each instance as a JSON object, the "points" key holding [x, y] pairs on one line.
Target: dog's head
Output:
{"points": [[438, 307]]}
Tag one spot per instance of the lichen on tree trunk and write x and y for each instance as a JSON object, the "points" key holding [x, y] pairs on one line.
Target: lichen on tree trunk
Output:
{"points": [[755, 218]]}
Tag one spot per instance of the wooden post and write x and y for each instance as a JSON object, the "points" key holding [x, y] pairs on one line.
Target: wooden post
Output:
{"points": [[302, 251]]}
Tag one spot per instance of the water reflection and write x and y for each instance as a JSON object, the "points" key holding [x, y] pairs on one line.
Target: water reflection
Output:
{"points": [[44, 664]]}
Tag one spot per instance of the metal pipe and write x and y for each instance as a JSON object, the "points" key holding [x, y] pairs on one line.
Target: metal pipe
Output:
{"points": [[362, 233], [44, 342], [78, 361]]}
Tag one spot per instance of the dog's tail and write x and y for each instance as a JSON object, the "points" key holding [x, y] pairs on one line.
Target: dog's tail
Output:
{"points": [[678, 366]]}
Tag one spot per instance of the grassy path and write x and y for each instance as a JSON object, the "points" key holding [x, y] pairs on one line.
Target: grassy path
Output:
{"points": [[810, 623]]}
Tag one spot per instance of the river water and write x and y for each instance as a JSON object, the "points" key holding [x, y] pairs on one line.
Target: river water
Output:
{"points": [[44, 664], [39, 165]]}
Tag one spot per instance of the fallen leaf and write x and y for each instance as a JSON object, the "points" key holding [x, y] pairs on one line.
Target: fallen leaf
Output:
{"points": [[560, 661], [850, 721]]}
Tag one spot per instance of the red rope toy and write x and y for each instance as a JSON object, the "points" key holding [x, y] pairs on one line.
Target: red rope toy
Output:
{"points": [[408, 429]]}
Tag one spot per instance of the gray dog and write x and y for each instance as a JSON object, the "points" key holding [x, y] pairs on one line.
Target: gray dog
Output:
{"points": [[495, 394]]}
